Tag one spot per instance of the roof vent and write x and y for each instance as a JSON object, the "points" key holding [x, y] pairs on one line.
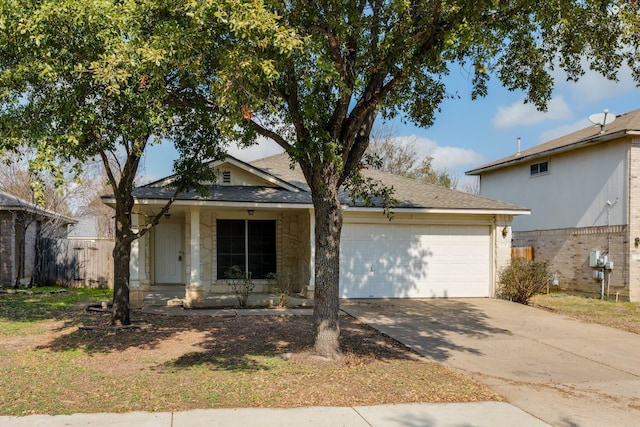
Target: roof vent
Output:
{"points": [[518, 152], [226, 177]]}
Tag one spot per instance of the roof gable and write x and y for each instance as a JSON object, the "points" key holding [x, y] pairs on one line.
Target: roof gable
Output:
{"points": [[624, 125], [235, 172]]}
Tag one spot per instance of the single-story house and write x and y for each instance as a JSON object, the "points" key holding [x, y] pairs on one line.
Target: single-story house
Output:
{"points": [[259, 216], [21, 225], [584, 193]]}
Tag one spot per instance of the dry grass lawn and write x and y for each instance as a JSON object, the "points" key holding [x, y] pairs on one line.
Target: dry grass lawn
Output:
{"points": [[50, 363], [619, 315]]}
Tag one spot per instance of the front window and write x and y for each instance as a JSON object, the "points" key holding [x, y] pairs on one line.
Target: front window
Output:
{"points": [[246, 245]]}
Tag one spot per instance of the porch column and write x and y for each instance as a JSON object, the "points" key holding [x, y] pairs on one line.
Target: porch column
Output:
{"points": [[137, 267], [195, 290], [312, 259]]}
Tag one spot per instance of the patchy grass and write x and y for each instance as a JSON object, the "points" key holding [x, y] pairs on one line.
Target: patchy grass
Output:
{"points": [[180, 363], [619, 315], [22, 312]]}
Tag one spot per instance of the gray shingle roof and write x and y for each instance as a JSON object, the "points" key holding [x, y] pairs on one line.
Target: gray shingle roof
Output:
{"points": [[624, 124], [228, 193], [411, 194], [10, 202]]}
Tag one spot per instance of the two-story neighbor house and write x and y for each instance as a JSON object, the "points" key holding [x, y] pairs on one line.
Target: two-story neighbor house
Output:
{"points": [[259, 218], [583, 190]]}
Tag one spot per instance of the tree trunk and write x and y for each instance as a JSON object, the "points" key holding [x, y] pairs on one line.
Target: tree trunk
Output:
{"points": [[328, 226], [121, 256]]}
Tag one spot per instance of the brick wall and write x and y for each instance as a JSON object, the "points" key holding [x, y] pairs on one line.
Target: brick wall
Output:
{"points": [[634, 219], [568, 250], [7, 249]]}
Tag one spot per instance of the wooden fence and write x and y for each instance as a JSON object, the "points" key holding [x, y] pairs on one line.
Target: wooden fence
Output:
{"points": [[76, 263], [524, 252]]}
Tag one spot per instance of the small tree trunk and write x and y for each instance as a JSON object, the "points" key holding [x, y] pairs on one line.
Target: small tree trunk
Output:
{"points": [[328, 219]]}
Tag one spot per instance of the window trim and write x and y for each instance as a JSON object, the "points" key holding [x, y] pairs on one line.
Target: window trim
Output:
{"points": [[534, 169]]}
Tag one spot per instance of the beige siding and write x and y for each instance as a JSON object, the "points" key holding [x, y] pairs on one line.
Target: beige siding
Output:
{"points": [[240, 177], [573, 194]]}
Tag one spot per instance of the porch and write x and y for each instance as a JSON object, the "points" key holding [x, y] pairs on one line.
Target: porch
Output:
{"points": [[174, 295]]}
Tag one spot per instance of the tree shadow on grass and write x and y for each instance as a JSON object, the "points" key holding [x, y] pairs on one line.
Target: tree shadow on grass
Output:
{"points": [[427, 326], [238, 343]]}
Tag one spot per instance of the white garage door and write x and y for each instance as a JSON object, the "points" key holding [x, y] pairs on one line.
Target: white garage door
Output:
{"points": [[414, 261]]}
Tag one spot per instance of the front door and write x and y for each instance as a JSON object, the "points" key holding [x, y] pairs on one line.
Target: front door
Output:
{"points": [[168, 254]]}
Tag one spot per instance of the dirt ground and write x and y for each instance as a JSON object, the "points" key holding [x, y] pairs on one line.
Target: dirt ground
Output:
{"points": [[76, 363]]}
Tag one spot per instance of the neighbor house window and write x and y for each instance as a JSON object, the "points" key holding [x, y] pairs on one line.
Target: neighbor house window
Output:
{"points": [[247, 245], [539, 168]]}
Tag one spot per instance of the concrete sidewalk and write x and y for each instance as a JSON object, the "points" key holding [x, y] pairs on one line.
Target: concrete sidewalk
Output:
{"points": [[562, 370], [481, 414]]}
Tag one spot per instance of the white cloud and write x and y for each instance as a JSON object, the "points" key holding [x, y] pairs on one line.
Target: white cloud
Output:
{"points": [[559, 131], [594, 87], [263, 148], [453, 160], [423, 146], [520, 114]]}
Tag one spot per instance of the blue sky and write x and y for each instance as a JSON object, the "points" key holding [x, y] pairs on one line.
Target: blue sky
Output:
{"points": [[467, 133]]}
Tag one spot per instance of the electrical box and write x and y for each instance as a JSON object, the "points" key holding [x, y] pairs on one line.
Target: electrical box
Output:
{"points": [[594, 256], [609, 265], [598, 274]]}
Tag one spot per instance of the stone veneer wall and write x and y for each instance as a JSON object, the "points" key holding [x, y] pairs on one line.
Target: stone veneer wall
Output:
{"points": [[567, 251], [292, 251], [295, 250]]}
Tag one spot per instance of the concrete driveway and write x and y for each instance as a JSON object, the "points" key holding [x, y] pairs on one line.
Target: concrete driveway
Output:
{"points": [[564, 371]]}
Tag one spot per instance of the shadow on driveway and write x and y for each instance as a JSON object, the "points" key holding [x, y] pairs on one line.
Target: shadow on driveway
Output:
{"points": [[428, 326]]}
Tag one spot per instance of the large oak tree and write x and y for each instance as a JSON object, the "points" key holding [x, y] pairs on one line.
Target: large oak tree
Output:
{"points": [[368, 58]]}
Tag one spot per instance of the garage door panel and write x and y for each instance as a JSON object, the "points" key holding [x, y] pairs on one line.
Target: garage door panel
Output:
{"points": [[379, 261]]}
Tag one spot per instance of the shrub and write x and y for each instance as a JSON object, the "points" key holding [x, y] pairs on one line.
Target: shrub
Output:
{"points": [[281, 285], [241, 283], [522, 279]]}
